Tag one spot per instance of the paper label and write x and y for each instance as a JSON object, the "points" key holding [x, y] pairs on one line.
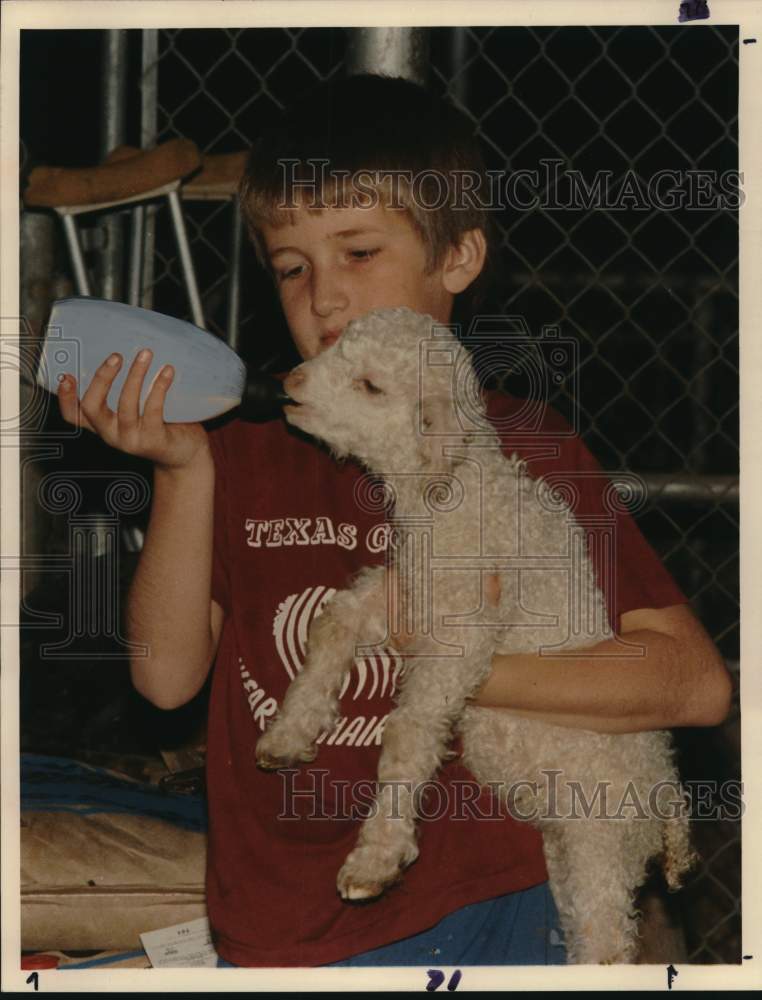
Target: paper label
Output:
{"points": [[180, 946]]}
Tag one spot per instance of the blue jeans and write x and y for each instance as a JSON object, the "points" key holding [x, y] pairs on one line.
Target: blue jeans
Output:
{"points": [[520, 928]]}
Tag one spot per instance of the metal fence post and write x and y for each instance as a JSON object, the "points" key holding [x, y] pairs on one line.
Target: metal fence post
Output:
{"points": [[113, 133], [391, 51], [37, 247], [458, 54], [149, 85]]}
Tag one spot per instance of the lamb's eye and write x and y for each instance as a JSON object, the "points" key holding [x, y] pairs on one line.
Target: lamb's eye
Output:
{"points": [[368, 385]]}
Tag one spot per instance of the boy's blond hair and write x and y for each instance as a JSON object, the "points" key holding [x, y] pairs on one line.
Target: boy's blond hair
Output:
{"points": [[367, 140]]}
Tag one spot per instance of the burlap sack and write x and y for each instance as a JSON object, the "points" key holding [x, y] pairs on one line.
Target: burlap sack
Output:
{"points": [[99, 880]]}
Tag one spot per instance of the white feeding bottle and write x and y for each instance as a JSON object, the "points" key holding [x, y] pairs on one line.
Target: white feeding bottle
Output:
{"points": [[209, 380]]}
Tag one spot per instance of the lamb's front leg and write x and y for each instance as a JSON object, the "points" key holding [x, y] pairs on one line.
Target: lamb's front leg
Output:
{"points": [[415, 741], [310, 705]]}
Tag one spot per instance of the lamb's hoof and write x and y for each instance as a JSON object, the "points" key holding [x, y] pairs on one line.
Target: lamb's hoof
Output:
{"points": [[364, 876], [268, 761], [360, 893]]}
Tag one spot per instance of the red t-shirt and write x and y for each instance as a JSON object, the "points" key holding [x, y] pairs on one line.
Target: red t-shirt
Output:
{"points": [[288, 532]]}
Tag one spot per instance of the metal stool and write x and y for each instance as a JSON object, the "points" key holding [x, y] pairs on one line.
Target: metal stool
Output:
{"points": [[129, 176], [218, 180]]}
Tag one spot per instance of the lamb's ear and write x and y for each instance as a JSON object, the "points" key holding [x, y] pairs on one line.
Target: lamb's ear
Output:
{"points": [[436, 427]]}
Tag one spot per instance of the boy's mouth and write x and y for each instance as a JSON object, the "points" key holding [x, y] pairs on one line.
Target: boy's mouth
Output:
{"points": [[329, 337]]}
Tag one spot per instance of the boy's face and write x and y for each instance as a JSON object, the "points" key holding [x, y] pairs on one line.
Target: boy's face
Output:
{"points": [[335, 265]]}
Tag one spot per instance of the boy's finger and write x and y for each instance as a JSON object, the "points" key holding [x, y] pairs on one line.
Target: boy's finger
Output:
{"points": [[128, 409], [154, 406], [68, 403], [93, 402]]}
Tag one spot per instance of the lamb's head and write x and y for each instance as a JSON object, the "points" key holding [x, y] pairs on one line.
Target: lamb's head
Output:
{"points": [[385, 391]]}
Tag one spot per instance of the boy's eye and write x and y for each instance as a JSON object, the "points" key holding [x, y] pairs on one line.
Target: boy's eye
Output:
{"points": [[289, 272], [364, 254]]}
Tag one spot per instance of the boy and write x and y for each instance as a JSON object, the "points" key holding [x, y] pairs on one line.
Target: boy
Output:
{"points": [[253, 527]]}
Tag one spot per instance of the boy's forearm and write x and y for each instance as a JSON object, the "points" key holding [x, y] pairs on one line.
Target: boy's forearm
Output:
{"points": [[601, 691], [675, 682], [168, 609]]}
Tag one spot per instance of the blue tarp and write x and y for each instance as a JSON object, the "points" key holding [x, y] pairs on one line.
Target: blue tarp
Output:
{"points": [[57, 784]]}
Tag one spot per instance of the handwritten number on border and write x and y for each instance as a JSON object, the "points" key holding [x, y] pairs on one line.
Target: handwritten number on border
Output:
{"points": [[436, 978]]}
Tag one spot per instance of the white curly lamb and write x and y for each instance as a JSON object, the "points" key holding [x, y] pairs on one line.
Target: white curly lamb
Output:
{"points": [[401, 395]]}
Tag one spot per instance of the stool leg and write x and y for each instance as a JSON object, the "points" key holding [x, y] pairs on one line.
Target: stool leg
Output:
{"points": [[75, 252], [136, 256], [234, 282], [186, 260]]}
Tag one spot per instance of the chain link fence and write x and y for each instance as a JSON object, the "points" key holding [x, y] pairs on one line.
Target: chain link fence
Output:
{"points": [[648, 292], [651, 296], [221, 88]]}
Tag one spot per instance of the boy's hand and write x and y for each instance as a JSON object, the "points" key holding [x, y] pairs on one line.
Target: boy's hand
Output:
{"points": [[170, 446]]}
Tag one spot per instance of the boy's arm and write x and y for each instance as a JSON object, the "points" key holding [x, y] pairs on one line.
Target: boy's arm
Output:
{"points": [[170, 611], [676, 677]]}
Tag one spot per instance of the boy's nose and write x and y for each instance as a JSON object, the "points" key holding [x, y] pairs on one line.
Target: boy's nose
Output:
{"points": [[328, 296]]}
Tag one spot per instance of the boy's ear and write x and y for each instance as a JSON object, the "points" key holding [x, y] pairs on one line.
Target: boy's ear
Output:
{"points": [[464, 262]]}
